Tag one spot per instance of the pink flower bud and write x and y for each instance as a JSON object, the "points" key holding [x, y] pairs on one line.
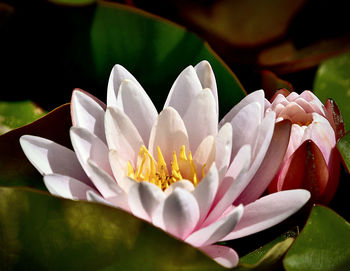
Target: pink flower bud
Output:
{"points": [[311, 160]]}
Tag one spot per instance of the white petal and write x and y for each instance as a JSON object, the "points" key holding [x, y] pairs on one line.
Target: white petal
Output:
{"points": [[66, 187], [206, 77], [217, 230], [94, 197], [138, 107], [49, 157], [269, 211], [223, 149], [225, 256], [201, 118], [169, 133], [205, 155], [88, 146], [185, 184], [256, 96], [88, 113], [122, 135], [205, 192], [180, 213], [144, 198], [118, 74], [184, 89]]}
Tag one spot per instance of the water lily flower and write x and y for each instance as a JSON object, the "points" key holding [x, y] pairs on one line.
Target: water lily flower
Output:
{"points": [[311, 161], [180, 169]]}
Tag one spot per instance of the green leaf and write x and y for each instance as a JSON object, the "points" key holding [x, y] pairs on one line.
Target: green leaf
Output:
{"points": [[333, 81], [15, 169], [322, 245], [155, 51], [73, 2], [344, 148], [41, 232], [16, 114], [269, 256]]}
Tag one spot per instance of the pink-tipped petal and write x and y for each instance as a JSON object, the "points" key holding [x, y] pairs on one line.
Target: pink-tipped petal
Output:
{"points": [[207, 78], [256, 96], [217, 230], [224, 256], [201, 118], [269, 211], [88, 146], [184, 89], [223, 144], [270, 165], [88, 114], [205, 192], [144, 198], [248, 119], [122, 135], [138, 107], [49, 157], [180, 213], [169, 133], [118, 74], [66, 187]]}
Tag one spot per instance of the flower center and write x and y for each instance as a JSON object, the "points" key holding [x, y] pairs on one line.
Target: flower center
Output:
{"points": [[158, 173]]}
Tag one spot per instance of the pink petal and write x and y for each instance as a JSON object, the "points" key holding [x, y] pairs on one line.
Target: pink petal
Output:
{"points": [[201, 119], [225, 256], [304, 104], [185, 184], [94, 197], [122, 135], [292, 96], [256, 96], [217, 230], [205, 192], [205, 155], [207, 78], [184, 89], [245, 126], [180, 213], [169, 133], [49, 157], [88, 114], [223, 144], [118, 74], [88, 146], [296, 114], [119, 168], [268, 211], [66, 187], [231, 186], [138, 107], [269, 166], [314, 102], [144, 198]]}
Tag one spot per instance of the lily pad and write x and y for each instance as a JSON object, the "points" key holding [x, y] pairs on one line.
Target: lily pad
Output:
{"points": [[17, 114], [42, 232], [333, 81], [322, 245]]}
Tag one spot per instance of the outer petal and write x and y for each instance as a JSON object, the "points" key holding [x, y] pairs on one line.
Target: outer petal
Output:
{"points": [[138, 106], [66, 187], [122, 135], [205, 192], [256, 96], [49, 157], [169, 133], [144, 198], [88, 146], [217, 230], [270, 165], [207, 78], [201, 118], [269, 211], [225, 256], [180, 213], [88, 113], [118, 74], [184, 89]]}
